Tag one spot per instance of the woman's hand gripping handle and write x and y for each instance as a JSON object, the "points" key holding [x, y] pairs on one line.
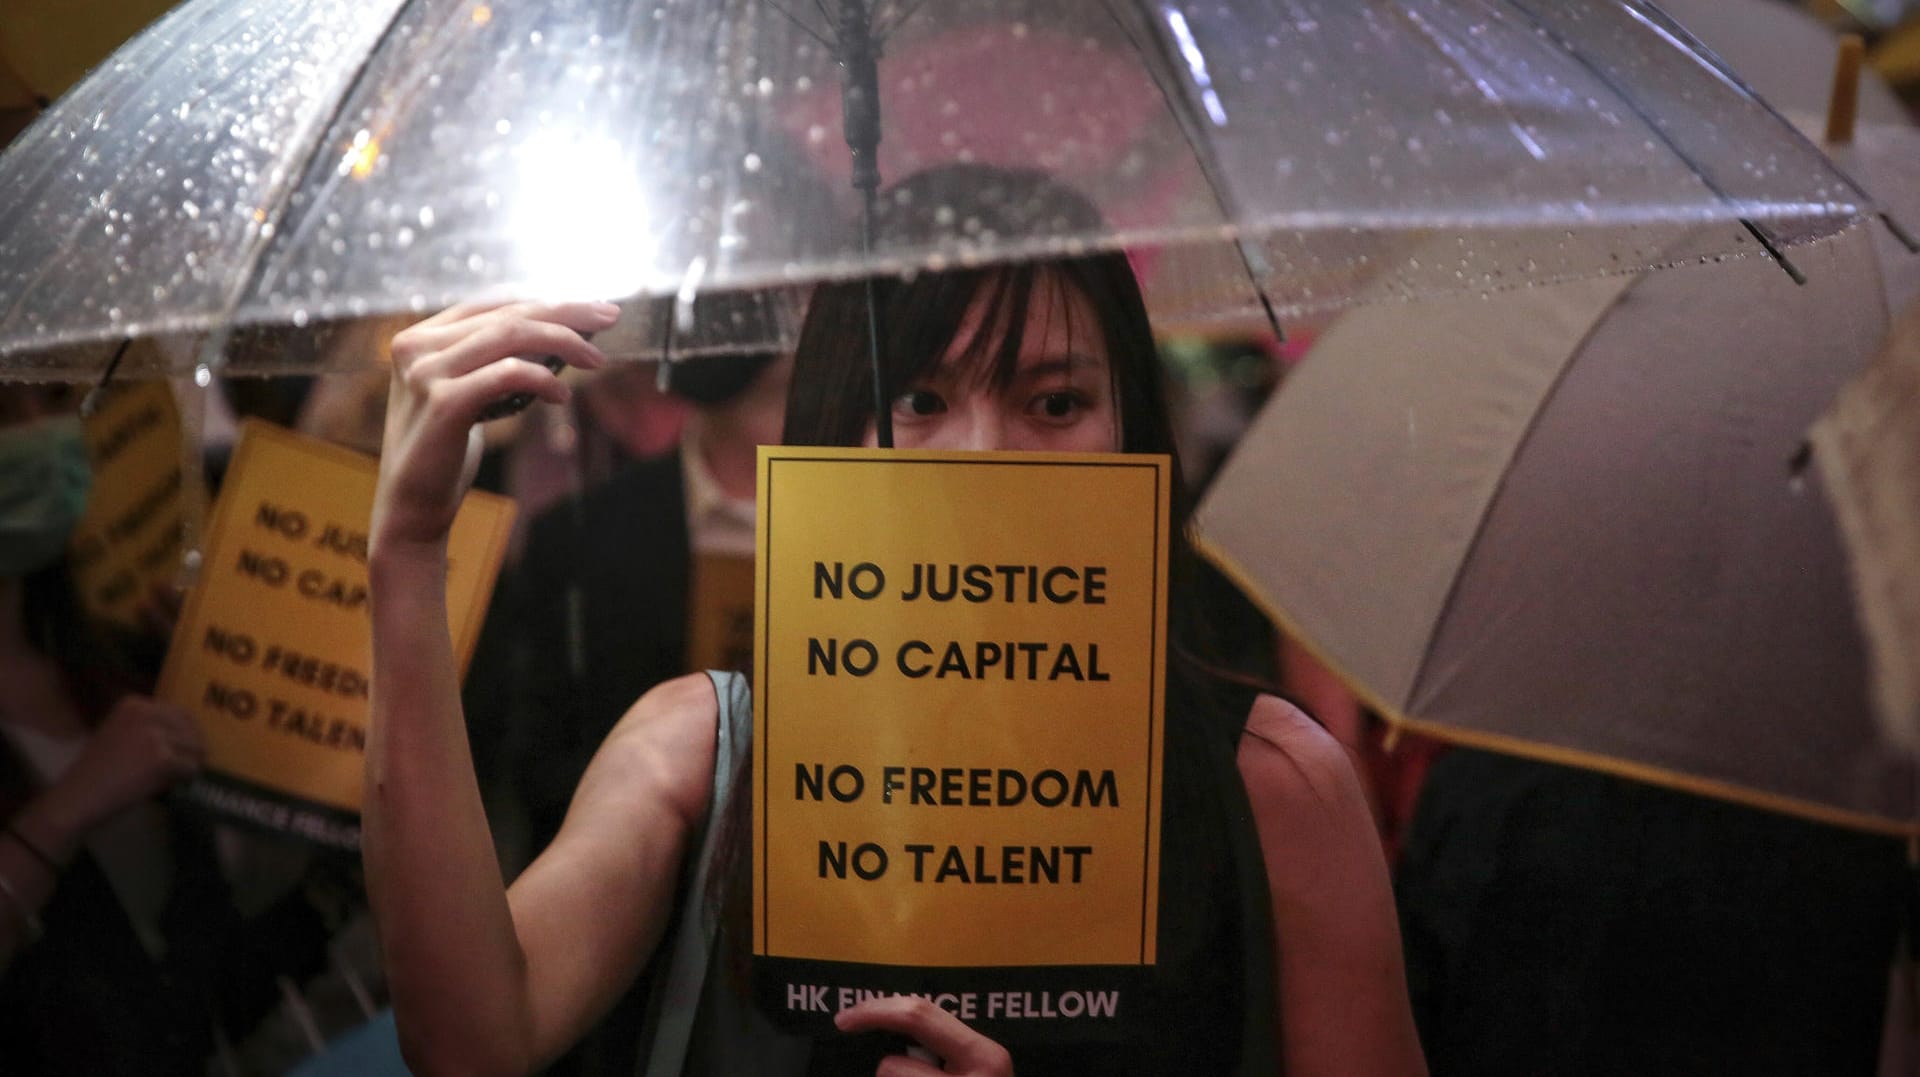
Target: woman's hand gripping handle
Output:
{"points": [[447, 372]]}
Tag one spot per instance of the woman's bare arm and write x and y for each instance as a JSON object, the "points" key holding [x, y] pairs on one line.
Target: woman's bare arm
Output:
{"points": [[592, 908], [1343, 1008], [483, 980]]}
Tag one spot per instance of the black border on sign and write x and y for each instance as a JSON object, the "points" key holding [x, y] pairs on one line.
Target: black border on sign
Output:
{"points": [[324, 825], [763, 747], [766, 649]]}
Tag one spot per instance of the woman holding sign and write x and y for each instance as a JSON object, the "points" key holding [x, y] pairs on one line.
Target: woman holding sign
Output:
{"points": [[1278, 943]]}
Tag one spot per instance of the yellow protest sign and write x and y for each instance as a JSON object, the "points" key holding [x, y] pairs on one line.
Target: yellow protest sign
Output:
{"points": [[720, 612], [273, 647], [958, 709], [130, 538]]}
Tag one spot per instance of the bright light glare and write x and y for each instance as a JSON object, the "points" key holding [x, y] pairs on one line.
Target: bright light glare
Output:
{"points": [[579, 220], [364, 154]]}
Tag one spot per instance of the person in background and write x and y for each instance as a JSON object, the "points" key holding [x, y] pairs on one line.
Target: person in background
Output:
{"points": [[121, 951], [1563, 921]]}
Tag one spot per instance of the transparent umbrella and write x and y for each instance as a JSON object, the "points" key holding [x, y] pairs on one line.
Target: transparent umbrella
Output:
{"points": [[243, 166]]}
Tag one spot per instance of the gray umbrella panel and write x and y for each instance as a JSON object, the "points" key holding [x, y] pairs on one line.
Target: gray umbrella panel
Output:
{"points": [[315, 159], [1566, 522]]}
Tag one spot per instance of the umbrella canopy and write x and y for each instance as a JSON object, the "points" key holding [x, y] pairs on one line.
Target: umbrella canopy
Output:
{"points": [[247, 164], [1572, 523]]}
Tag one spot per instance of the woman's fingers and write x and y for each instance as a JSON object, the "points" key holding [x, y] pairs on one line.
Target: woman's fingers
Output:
{"points": [[187, 760], [508, 337], [425, 340], [181, 732], [906, 1066], [447, 371], [461, 312], [459, 401], [563, 312], [961, 1048]]}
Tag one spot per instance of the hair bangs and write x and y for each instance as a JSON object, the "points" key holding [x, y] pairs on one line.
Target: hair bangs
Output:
{"points": [[971, 323]]}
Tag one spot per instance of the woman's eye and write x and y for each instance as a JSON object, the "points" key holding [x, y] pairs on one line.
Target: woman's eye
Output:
{"points": [[1059, 406], [919, 402]]}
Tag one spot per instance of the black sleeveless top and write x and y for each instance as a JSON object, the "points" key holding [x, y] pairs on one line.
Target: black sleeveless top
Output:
{"points": [[1208, 1005]]}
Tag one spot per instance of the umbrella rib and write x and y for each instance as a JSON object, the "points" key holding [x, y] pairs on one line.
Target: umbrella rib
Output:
{"points": [[1766, 241], [1725, 72], [1208, 171], [880, 35], [796, 20], [90, 403]]}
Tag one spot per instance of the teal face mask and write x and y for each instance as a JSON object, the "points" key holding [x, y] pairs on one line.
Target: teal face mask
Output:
{"points": [[44, 479]]}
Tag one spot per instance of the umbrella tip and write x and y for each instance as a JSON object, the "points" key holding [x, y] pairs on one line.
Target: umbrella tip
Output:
{"points": [[1843, 104], [1899, 233]]}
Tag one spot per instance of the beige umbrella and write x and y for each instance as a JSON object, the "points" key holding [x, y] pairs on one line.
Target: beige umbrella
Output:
{"points": [[1570, 523]]}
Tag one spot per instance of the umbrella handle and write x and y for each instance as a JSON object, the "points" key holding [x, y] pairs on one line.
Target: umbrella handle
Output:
{"points": [[515, 403]]}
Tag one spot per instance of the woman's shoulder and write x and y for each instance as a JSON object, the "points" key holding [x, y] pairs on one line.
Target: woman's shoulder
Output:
{"points": [[663, 745], [1295, 771], [1287, 747], [1343, 991]]}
